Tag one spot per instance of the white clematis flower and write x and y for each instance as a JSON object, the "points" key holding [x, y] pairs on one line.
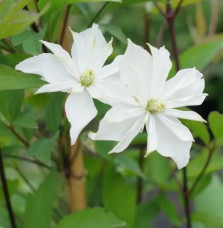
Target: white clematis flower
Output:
{"points": [[82, 74], [150, 100]]}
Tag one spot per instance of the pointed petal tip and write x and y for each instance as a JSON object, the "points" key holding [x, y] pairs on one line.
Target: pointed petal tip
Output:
{"points": [[112, 152], [70, 29], [181, 166], [129, 41], [37, 92], [92, 135], [17, 67], [72, 139], [94, 25], [148, 153]]}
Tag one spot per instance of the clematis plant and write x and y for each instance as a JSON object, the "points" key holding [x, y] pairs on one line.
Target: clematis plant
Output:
{"points": [[148, 99], [81, 75]]}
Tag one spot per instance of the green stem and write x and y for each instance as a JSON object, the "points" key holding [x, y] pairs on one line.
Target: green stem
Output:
{"points": [[211, 151], [6, 192], [98, 14]]}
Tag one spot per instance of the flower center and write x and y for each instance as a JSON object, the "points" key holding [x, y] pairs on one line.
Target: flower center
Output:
{"points": [[87, 78], [155, 106]]}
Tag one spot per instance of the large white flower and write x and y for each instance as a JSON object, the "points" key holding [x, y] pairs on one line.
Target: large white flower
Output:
{"points": [[82, 74], [150, 100]]}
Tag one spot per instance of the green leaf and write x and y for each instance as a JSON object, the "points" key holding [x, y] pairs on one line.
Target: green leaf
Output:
{"points": [[198, 129], [115, 31], [11, 60], [157, 169], [119, 197], [209, 211], [42, 148], [5, 7], [141, 138], [169, 209], [16, 19], [125, 163], [215, 120], [146, 212], [10, 103], [57, 4], [54, 110], [30, 40], [11, 79], [195, 166], [199, 56], [21, 37], [140, 1], [95, 217], [27, 119], [39, 205], [103, 147]]}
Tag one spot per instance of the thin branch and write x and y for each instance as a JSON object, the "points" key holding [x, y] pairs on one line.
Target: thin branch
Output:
{"points": [[186, 198], [140, 180], [161, 34], [214, 17], [64, 25], [211, 151], [11, 128], [160, 9], [173, 172], [33, 25], [170, 17], [178, 7], [147, 23], [8, 44], [98, 14], [39, 163], [5, 48], [25, 179], [6, 192], [174, 42]]}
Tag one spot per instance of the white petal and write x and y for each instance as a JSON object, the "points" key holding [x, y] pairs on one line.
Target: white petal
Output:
{"points": [[190, 115], [64, 57], [80, 110], [46, 65], [95, 91], [129, 135], [169, 145], [136, 70], [112, 131], [152, 135], [111, 69], [192, 100], [67, 87], [181, 131], [90, 49], [186, 87], [121, 112], [100, 57], [115, 92], [161, 65]]}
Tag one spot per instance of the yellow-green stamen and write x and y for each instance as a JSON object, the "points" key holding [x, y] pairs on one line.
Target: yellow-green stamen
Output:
{"points": [[154, 106], [87, 78]]}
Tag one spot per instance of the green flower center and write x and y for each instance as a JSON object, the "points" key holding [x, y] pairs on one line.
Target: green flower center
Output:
{"points": [[155, 106], [87, 78]]}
